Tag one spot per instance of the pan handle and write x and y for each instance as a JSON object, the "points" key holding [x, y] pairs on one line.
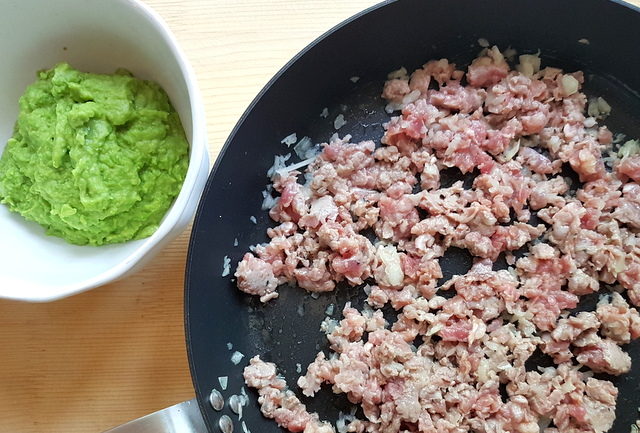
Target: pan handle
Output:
{"points": [[183, 417]]}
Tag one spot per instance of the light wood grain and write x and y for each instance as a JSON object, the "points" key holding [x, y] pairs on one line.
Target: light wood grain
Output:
{"points": [[99, 359]]}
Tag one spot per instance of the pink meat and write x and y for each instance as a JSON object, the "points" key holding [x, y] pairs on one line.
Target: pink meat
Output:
{"points": [[487, 70], [255, 277], [604, 357], [397, 216], [278, 402], [441, 70], [537, 162], [558, 341], [395, 90], [441, 365], [620, 322], [548, 193], [453, 96], [630, 167]]}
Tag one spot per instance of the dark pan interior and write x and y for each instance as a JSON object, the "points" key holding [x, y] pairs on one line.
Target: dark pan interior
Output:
{"points": [[402, 33]]}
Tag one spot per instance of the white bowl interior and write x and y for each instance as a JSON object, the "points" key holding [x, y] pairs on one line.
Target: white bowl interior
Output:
{"points": [[95, 36]]}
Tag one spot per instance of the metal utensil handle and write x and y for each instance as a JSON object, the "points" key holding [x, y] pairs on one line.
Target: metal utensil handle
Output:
{"points": [[183, 417]]}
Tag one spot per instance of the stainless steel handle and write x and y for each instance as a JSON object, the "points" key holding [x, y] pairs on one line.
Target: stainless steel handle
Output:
{"points": [[183, 417]]}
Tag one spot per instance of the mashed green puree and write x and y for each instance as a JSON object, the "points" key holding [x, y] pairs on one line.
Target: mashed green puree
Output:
{"points": [[95, 159]]}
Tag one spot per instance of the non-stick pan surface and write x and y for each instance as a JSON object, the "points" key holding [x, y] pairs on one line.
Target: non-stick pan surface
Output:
{"points": [[401, 33]]}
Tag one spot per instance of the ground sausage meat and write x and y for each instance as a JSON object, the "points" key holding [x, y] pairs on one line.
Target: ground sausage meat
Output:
{"points": [[377, 216]]}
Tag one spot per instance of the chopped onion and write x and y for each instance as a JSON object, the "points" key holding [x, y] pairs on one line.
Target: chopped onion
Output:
{"points": [[398, 74], [328, 325], [278, 164], [598, 107], [631, 147], [569, 85], [296, 166], [554, 143], [603, 106], [305, 149], [329, 310], [268, 201], [510, 53], [339, 122], [236, 357], [392, 266], [511, 151], [289, 139], [529, 64], [482, 373], [226, 267], [393, 106], [434, 329], [411, 97]]}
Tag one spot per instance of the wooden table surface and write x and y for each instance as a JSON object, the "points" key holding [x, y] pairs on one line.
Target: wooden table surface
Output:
{"points": [[101, 358]]}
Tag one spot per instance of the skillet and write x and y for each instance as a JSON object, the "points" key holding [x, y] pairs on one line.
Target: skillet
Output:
{"points": [[368, 46]]}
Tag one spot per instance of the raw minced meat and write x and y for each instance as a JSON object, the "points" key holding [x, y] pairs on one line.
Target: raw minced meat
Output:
{"points": [[454, 360]]}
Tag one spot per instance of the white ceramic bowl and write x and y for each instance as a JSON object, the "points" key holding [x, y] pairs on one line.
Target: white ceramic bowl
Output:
{"points": [[93, 36]]}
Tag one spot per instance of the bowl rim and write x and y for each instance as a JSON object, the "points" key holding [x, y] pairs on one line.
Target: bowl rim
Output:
{"points": [[179, 213]]}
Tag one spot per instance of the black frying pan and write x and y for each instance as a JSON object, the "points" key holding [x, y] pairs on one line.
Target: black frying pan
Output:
{"points": [[369, 45]]}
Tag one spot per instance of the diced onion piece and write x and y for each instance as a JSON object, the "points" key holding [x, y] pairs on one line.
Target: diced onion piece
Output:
{"points": [[529, 64], [434, 329], [279, 162], [236, 357], [392, 266], [226, 266], [569, 85], [411, 97], [482, 373], [510, 53], [598, 107], [296, 166], [223, 380], [511, 151], [496, 55], [631, 147], [289, 139], [304, 149], [603, 106], [398, 74]]}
